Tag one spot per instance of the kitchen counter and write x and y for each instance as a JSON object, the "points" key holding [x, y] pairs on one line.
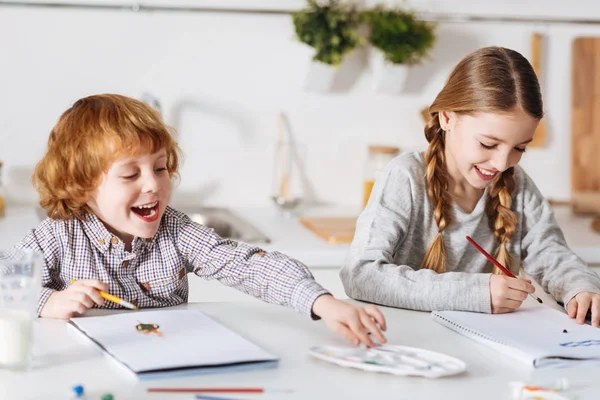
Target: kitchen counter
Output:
{"points": [[290, 237]]}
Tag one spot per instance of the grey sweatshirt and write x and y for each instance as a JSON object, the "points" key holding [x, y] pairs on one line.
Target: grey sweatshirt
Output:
{"points": [[397, 226]]}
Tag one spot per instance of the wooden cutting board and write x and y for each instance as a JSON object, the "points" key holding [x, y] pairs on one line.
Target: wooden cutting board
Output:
{"points": [[585, 125], [331, 229]]}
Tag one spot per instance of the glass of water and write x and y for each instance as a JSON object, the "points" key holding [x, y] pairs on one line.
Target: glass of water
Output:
{"points": [[20, 285]]}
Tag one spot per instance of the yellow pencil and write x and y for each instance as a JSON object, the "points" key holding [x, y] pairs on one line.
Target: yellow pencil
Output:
{"points": [[114, 299]]}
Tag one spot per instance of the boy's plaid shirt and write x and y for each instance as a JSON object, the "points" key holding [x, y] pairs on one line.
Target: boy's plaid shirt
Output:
{"points": [[154, 273]]}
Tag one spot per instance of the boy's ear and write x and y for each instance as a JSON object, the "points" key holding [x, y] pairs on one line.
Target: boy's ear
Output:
{"points": [[447, 120]]}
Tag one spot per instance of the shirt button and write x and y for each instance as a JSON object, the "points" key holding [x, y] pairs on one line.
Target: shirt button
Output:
{"points": [[260, 254], [100, 241], [125, 263], [114, 240]]}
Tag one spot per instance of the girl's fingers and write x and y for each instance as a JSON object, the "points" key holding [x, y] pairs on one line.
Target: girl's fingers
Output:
{"points": [[572, 307], [504, 310], [596, 311], [375, 313], [583, 305], [516, 295], [372, 327], [510, 304]]}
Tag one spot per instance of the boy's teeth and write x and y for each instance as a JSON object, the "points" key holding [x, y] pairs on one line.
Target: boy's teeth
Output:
{"points": [[147, 206]]}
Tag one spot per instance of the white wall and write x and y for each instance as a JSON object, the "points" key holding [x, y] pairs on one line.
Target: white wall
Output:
{"points": [[222, 78]]}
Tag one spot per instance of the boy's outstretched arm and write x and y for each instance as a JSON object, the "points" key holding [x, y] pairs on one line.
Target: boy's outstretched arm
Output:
{"points": [[272, 277]]}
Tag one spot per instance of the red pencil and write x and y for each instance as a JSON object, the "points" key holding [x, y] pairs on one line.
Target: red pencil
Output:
{"points": [[497, 264], [207, 390]]}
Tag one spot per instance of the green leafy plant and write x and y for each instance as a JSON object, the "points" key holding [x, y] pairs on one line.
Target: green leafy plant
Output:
{"points": [[329, 27], [399, 35]]}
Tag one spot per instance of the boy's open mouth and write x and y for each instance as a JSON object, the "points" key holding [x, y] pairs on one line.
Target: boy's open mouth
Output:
{"points": [[148, 212]]}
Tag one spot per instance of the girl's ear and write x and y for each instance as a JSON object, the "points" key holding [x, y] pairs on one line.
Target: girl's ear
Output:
{"points": [[447, 120]]}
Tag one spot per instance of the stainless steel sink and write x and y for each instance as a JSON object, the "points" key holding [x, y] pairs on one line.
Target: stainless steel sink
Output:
{"points": [[225, 223]]}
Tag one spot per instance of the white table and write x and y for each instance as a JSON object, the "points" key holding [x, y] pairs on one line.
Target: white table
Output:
{"points": [[64, 359]]}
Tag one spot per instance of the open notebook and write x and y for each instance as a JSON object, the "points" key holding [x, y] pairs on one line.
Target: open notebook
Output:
{"points": [[533, 335], [156, 344]]}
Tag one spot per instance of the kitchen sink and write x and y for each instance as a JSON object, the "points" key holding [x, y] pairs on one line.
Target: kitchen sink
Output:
{"points": [[225, 223]]}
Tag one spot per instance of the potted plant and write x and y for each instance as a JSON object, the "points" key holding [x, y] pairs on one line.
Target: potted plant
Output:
{"points": [[330, 27], [399, 40]]}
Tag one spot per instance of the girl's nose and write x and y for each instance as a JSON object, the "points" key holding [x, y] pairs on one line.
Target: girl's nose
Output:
{"points": [[502, 162]]}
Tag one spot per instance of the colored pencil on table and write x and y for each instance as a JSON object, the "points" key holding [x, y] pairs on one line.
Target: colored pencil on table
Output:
{"points": [[203, 397], [114, 299], [206, 390], [497, 264]]}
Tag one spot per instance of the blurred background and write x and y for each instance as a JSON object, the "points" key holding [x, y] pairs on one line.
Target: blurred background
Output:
{"points": [[259, 119], [222, 78]]}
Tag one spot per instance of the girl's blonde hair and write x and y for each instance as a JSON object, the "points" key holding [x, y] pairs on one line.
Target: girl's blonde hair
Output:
{"points": [[87, 138], [492, 80]]}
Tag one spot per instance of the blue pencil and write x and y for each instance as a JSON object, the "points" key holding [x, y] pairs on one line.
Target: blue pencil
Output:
{"points": [[203, 397], [588, 317]]}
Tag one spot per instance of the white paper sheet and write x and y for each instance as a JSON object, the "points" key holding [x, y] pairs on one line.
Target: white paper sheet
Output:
{"points": [[188, 338], [534, 334]]}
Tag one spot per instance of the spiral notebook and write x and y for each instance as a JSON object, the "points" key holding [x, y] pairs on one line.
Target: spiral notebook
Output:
{"points": [[167, 343], [538, 336]]}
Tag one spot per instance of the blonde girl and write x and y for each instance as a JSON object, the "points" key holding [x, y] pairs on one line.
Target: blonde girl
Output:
{"points": [[410, 249]]}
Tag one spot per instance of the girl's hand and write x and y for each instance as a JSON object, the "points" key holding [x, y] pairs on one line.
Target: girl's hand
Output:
{"points": [[77, 298], [579, 305], [508, 293], [350, 321]]}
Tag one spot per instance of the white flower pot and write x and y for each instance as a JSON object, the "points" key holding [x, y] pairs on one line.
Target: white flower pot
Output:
{"points": [[387, 77], [320, 77]]}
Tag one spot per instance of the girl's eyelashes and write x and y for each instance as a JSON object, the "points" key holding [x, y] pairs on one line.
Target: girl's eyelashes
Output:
{"points": [[129, 176], [487, 147], [520, 150], [161, 169]]}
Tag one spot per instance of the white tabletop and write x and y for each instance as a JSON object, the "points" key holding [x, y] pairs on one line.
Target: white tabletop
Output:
{"points": [[64, 359]]}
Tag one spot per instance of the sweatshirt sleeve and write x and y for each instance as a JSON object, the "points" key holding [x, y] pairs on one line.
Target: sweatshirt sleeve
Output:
{"points": [[369, 273], [545, 254]]}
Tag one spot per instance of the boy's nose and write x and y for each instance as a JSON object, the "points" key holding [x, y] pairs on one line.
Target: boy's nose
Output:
{"points": [[150, 184]]}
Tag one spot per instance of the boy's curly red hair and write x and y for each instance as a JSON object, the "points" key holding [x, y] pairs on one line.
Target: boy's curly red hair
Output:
{"points": [[87, 138]]}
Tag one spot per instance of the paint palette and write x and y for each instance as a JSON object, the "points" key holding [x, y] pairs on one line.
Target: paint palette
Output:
{"points": [[396, 360]]}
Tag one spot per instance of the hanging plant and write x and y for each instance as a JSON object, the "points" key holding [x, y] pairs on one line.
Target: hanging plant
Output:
{"points": [[399, 35], [330, 27]]}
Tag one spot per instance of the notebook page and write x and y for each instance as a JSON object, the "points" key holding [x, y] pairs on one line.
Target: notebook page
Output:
{"points": [[536, 331], [479, 337], [184, 338]]}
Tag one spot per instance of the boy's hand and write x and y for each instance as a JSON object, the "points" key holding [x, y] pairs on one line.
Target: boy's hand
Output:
{"points": [[579, 305], [350, 321], [77, 298], [508, 293]]}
